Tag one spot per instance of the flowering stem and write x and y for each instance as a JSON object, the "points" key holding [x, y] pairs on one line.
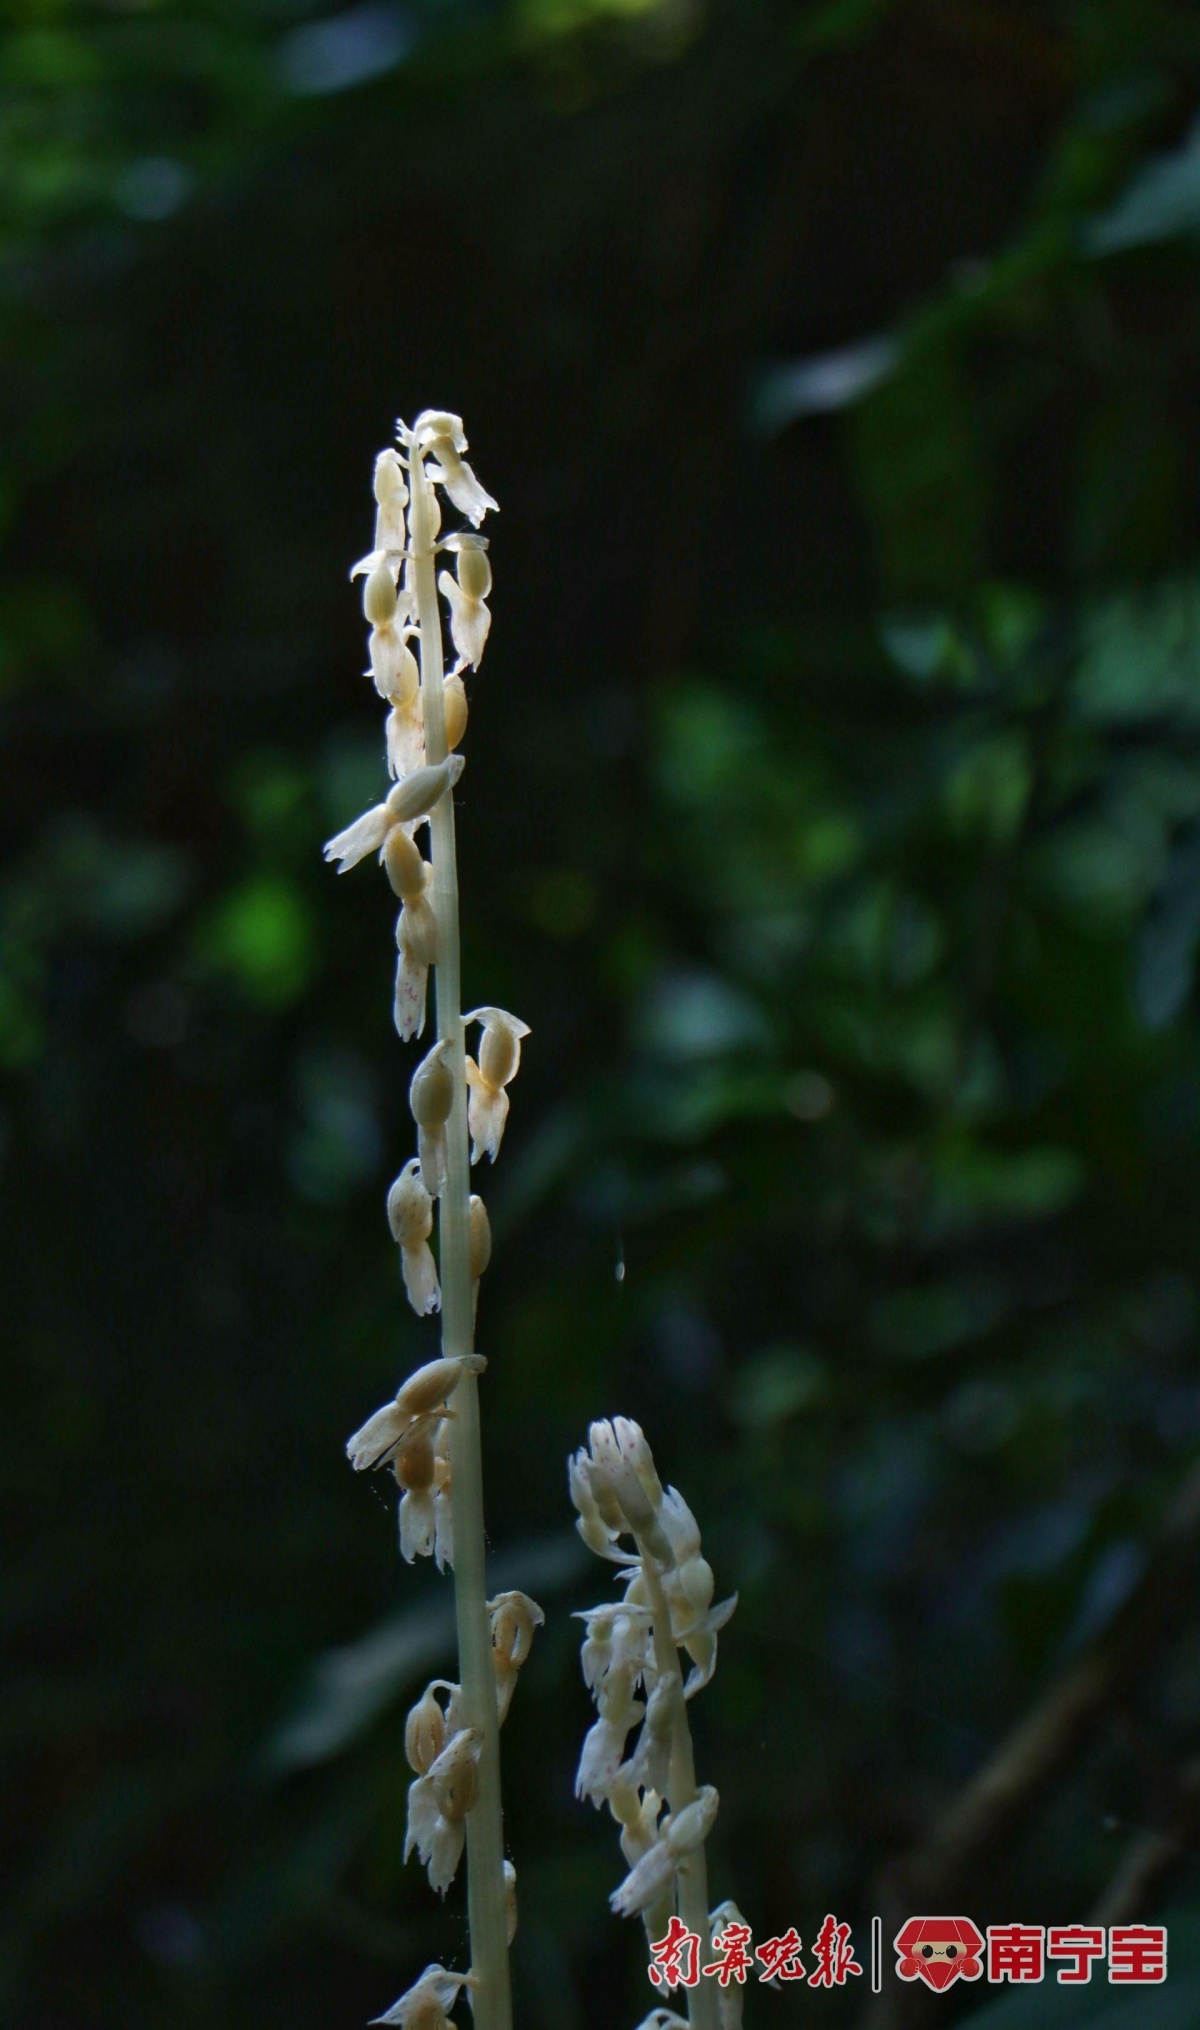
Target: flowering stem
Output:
{"points": [[693, 1870], [491, 2000]]}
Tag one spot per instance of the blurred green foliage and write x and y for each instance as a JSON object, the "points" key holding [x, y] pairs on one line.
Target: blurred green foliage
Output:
{"points": [[832, 815]]}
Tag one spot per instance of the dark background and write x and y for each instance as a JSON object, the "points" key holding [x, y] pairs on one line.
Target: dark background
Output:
{"points": [[833, 817]]}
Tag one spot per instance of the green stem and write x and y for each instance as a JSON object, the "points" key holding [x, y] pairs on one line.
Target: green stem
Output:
{"points": [[693, 1869], [491, 2000]]}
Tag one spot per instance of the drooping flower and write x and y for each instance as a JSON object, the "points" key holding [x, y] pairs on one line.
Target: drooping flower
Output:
{"points": [[466, 594], [730, 1994], [391, 497], [410, 1216], [438, 1803], [431, 1097], [617, 1633], [440, 435], [648, 1768], [395, 673], [597, 1532], [604, 1743], [427, 2004], [414, 1470], [499, 1061], [404, 734], [424, 1395], [513, 1617], [416, 929], [429, 1725], [409, 802], [679, 1836]]}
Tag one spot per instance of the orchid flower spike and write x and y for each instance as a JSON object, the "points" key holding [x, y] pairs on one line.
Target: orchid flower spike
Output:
{"points": [[499, 1061], [411, 1436], [633, 1646]]}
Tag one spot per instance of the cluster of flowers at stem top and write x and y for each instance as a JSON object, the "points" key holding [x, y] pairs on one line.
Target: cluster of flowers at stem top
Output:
{"points": [[634, 1654], [413, 1435]]}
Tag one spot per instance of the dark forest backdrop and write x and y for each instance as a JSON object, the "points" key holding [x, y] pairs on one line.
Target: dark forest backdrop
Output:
{"points": [[832, 816]]}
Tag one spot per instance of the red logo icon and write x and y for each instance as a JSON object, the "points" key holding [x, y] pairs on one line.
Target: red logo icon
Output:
{"points": [[939, 1950]]}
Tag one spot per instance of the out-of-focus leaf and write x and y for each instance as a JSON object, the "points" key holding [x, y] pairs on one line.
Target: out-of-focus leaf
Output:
{"points": [[922, 476], [776, 1384], [690, 1016], [987, 790], [1141, 657], [827, 381], [914, 1324], [978, 1185], [1161, 202], [262, 935], [1165, 957]]}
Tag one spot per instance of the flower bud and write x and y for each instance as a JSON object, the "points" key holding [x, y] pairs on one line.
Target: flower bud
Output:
{"points": [[454, 705], [416, 795], [379, 596], [510, 1901], [500, 1044], [474, 572], [403, 864], [455, 1774], [424, 1732], [431, 1094], [694, 1586], [631, 1442], [410, 1210], [688, 1829], [431, 1386], [481, 1237], [393, 667], [389, 478], [412, 1463], [499, 1053]]}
